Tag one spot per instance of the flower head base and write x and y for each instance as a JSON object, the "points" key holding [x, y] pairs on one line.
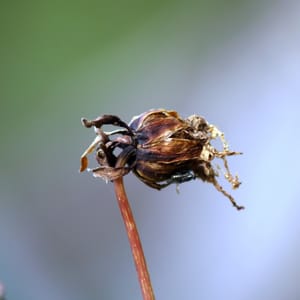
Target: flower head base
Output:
{"points": [[160, 148]]}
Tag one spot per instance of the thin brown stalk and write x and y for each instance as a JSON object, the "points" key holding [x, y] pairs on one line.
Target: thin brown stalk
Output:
{"points": [[134, 240]]}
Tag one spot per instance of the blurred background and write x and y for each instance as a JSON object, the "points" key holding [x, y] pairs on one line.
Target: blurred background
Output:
{"points": [[235, 62]]}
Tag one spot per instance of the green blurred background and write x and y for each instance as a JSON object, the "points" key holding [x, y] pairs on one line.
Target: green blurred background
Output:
{"points": [[235, 62]]}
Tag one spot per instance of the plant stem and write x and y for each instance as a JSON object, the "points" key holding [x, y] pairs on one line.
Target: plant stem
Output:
{"points": [[134, 240]]}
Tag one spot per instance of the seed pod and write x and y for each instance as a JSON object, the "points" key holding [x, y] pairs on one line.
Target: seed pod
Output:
{"points": [[160, 148]]}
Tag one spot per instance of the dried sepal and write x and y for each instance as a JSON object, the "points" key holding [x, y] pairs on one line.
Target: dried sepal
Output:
{"points": [[91, 148], [110, 173]]}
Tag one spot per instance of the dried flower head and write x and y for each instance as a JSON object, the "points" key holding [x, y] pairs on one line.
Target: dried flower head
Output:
{"points": [[160, 148]]}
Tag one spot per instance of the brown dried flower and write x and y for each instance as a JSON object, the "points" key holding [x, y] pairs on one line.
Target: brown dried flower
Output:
{"points": [[160, 148]]}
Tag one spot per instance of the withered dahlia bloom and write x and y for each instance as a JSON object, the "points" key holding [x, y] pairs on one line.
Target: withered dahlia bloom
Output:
{"points": [[160, 148]]}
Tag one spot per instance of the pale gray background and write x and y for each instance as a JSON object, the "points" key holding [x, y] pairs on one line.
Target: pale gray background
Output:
{"points": [[235, 62]]}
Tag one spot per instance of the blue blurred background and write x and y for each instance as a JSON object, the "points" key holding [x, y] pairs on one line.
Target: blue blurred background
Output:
{"points": [[235, 62]]}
